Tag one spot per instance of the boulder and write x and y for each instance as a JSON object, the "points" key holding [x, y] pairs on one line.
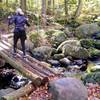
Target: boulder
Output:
{"points": [[87, 43], [57, 37], [75, 51], [68, 89], [43, 52], [70, 41], [97, 44], [87, 30], [65, 61], [94, 52], [54, 63], [92, 78], [68, 32], [58, 56], [29, 45]]}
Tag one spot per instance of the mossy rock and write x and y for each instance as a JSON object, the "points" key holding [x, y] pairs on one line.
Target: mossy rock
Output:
{"points": [[87, 30], [75, 51], [56, 37], [87, 43], [43, 52], [94, 52], [92, 78], [97, 44]]}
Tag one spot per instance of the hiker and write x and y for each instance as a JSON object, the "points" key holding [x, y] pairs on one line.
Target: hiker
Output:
{"points": [[20, 21]]}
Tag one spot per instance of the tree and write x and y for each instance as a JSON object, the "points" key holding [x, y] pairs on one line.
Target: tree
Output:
{"points": [[43, 12], [78, 10], [66, 8], [49, 7], [53, 6], [23, 5]]}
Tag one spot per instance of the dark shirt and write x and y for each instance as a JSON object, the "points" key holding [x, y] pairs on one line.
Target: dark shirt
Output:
{"points": [[20, 21]]}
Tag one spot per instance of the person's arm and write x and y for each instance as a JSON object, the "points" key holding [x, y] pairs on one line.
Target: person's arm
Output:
{"points": [[27, 23], [11, 20]]}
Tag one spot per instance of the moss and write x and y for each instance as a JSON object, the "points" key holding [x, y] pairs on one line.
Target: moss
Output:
{"points": [[97, 44], [92, 78], [87, 43], [94, 52]]}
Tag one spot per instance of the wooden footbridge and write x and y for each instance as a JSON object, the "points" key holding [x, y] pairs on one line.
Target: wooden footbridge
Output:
{"points": [[35, 70]]}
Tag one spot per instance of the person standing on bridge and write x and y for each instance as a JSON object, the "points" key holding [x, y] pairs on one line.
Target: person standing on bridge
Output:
{"points": [[20, 22]]}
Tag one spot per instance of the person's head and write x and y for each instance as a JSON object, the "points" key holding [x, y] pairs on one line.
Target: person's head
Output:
{"points": [[19, 11]]}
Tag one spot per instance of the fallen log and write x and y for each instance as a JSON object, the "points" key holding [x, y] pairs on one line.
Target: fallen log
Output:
{"points": [[45, 67], [23, 91], [35, 78], [2, 62]]}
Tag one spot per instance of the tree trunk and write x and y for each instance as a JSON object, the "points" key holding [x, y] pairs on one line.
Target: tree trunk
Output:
{"points": [[49, 7], [43, 12], [19, 93], [53, 6], [7, 2], [23, 5], [2, 62], [66, 9], [21, 68], [78, 10]]}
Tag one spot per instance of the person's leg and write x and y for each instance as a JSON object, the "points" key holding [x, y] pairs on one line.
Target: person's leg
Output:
{"points": [[15, 39], [23, 38]]}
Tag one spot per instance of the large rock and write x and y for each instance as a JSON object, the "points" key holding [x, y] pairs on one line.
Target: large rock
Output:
{"points": [[43, 52], [72, 42], [68, 89], [87, 30], [87, 43], [75, 51], [56, 36], [73, 48], [94, 52], [92, 78]]}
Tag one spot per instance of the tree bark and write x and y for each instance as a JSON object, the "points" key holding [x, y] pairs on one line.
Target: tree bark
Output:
{"points": [[43, 12], [66, 8], [2, 62], [49, 7], [19, 93], [54, 7], [20, 67], [78, 10], [23, 5]]}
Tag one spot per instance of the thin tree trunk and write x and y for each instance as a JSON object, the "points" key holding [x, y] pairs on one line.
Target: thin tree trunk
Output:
{"points": [[53, 6], [23, 5], [43, 12], [7, 2], [66, 8], [49, 7], [78, 10], [27, 89]]}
